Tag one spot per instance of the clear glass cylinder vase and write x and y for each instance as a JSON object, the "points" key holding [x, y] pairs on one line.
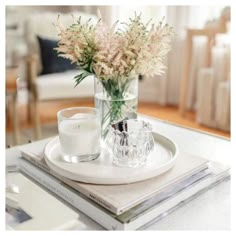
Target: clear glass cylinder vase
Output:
{"points": [[116, 100]]}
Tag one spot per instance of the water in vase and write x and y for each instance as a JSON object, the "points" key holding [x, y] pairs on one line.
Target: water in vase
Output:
{"points": [[114, 110]]}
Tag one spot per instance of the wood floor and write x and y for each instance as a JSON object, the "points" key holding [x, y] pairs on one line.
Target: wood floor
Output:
{"points": [[168, 113]]}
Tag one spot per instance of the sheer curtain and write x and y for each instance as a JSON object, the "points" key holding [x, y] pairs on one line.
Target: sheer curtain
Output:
{"points": [[165, 89]]}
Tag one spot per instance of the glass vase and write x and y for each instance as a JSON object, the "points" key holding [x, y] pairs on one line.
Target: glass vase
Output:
{"points": [[116, 99]]}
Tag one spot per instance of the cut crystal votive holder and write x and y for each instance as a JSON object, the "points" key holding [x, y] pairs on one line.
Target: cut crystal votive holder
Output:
{"points": [[130, 142]]}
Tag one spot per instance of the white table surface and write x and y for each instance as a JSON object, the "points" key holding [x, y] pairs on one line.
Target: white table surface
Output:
{"points": [[210, 210]]}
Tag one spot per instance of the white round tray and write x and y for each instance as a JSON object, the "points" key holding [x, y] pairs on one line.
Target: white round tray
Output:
{"points": [[102, 171]]}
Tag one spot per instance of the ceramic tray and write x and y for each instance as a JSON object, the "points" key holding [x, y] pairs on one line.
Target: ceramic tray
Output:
{"points": [[103, 171]]}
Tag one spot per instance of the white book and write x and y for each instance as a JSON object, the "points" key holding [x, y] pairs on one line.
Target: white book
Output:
{"points": [[36, 209], [120, 198], [133, 218]]}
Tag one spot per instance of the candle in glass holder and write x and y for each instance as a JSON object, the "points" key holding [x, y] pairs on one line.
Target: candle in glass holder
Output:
{"points": [[79, 133], [219, 63]]}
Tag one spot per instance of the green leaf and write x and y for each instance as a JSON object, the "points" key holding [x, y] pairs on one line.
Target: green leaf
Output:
{"points": [[80, 77]]}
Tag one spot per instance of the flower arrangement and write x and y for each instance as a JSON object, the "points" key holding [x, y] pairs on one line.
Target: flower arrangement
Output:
{"points": [[115, 55]]}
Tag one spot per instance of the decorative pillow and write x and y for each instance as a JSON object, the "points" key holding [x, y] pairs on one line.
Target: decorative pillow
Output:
{"points": [[51, 62]]}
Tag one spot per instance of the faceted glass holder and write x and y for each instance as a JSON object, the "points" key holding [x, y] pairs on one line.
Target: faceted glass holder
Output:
{"points": [[130, 142]]}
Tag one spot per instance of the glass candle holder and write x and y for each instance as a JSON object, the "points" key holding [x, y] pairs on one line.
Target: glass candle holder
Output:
{"points": [[130, 142], [79, 133]]}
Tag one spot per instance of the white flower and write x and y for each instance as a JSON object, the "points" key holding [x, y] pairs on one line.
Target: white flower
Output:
{"points": [[111, 54]]}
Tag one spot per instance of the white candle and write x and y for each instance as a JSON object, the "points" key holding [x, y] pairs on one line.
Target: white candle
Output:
{"points": [[222, 115], [80, 136], [219, 63], [198, 61], [222, 40], [205, 97]]}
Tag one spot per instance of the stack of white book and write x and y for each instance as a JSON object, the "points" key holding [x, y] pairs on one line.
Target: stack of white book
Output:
{"points": [[31, 205], [131, 206]]}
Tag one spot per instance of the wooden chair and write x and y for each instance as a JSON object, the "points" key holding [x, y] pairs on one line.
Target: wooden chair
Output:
{"points": [[11, 110], [56, 86], [210, 32]]}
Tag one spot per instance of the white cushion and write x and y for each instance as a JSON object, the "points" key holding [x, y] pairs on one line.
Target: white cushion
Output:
{"points": [[62, 85]]}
